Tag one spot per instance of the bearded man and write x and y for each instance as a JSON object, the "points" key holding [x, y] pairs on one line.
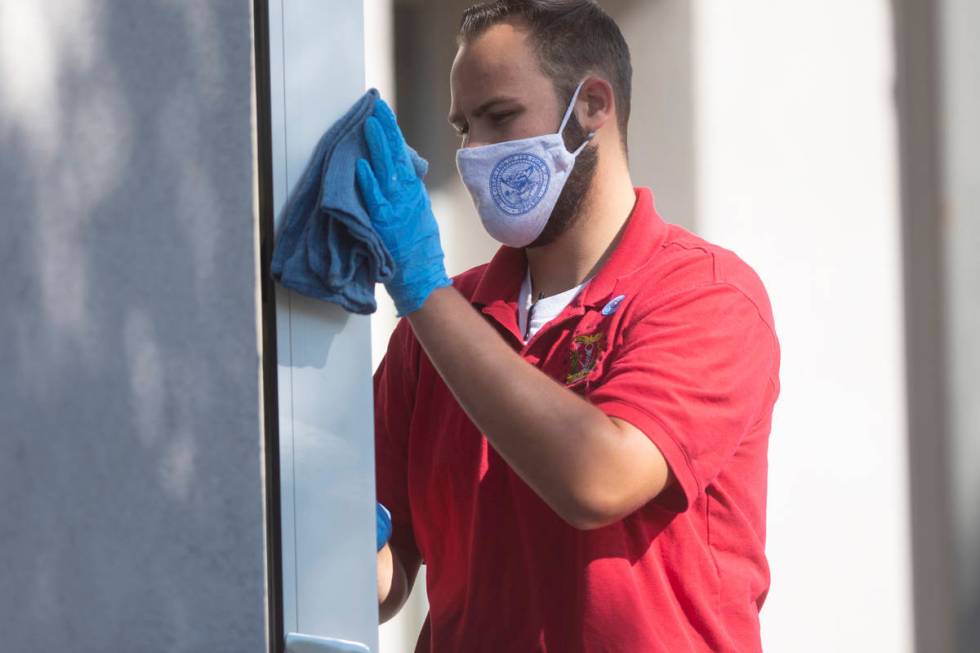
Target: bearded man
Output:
{"points": [[573, 437]]}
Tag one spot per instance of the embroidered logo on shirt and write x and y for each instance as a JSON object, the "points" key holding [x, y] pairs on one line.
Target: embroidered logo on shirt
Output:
{"points": [[585, 350]]}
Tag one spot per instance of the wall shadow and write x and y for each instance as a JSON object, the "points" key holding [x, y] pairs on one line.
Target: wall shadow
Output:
{"points": [[130, 458]]}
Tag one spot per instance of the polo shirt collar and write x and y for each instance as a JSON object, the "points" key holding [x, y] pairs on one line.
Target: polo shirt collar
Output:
{"points": [[497, 291]]}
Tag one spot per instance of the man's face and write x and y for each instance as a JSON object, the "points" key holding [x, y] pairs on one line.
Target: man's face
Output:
{"points": [[498, 92]]}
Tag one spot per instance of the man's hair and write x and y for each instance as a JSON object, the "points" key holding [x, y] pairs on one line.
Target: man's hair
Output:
{"points": [[571, 38]]}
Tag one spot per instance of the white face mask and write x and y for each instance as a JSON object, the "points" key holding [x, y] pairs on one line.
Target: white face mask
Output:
{"points": [[515, 184]]}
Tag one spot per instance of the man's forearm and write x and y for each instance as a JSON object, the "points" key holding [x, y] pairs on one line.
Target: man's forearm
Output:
{"points": [[393, 584], [529, 418]]}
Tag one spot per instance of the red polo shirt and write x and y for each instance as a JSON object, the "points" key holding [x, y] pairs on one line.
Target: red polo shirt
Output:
{"points": [[674, 335]]}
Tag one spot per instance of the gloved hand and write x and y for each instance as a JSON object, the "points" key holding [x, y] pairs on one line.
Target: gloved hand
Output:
{"points": [[383, 523], [397, 201]]}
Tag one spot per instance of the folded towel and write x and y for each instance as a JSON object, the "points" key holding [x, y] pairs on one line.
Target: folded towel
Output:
{"points": [[326, 247]]}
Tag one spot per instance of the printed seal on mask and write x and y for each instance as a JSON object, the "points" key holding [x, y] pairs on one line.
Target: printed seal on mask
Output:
{"points": [[518, 182]]}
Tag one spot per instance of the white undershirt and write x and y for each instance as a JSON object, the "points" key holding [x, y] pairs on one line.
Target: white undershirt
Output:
{"points": [[542, 311]]}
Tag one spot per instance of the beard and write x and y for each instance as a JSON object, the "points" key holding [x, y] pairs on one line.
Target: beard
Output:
{"points": [[568, 208]]}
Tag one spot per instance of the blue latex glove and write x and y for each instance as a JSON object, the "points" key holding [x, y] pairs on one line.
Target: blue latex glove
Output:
{"points": [[383, 522], [397, 201]]}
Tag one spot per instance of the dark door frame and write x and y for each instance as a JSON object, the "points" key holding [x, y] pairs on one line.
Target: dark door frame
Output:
{"points": [[270, 388]]}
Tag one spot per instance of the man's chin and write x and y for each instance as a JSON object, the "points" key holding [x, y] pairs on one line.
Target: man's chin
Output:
{"points": [[548, 238], [561, 221], [572, 200]]}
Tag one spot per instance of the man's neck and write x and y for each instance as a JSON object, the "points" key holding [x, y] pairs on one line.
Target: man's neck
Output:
{"points": [[582, 250]]}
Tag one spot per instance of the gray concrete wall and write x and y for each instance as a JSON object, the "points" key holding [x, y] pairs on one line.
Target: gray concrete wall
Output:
{"points": [[130, 437]]}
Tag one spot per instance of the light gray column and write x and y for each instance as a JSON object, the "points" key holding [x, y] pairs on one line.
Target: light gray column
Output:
{"points": [[663, 113], [960, 219]]}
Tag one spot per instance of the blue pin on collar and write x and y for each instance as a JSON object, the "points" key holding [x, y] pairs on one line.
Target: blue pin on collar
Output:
{"points": [[613, 304]]}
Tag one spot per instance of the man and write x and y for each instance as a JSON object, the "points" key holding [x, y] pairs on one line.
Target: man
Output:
{"points": [[573, 436]]}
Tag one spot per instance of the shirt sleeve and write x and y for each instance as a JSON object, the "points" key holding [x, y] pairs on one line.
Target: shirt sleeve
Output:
{"points": [[694, 373], [394, 400]]}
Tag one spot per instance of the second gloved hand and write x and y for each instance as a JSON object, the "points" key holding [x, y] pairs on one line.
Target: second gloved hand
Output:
{"points": [[401, 213], [382, 520]]}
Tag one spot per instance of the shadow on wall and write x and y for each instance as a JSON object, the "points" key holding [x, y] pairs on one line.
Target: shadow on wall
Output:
{"points": [[129, 407]]}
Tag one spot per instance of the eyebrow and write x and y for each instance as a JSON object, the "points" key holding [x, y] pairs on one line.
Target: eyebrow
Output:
{"points": [[457, 118]]}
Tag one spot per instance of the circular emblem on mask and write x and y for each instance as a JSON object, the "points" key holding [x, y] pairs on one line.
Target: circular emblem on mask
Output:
{"points": [[518, 182]]}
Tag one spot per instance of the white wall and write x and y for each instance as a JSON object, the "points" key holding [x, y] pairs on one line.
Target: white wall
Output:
{"points": [[797, 168]]}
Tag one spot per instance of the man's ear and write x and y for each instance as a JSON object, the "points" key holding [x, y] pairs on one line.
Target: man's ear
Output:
{"points": [[596, 104]]}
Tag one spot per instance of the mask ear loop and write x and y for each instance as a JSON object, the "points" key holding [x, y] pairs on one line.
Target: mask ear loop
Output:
{"points": [[584, 143], [568, 114]]}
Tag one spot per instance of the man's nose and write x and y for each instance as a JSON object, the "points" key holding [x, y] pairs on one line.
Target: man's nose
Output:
{"points": [[477, 140]]}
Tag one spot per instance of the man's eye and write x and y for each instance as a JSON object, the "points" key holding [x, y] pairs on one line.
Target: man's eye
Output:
{"points": [[501, 117]]}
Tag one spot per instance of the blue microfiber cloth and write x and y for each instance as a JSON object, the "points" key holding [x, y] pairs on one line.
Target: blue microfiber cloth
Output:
{"points": [[326, 247]]}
